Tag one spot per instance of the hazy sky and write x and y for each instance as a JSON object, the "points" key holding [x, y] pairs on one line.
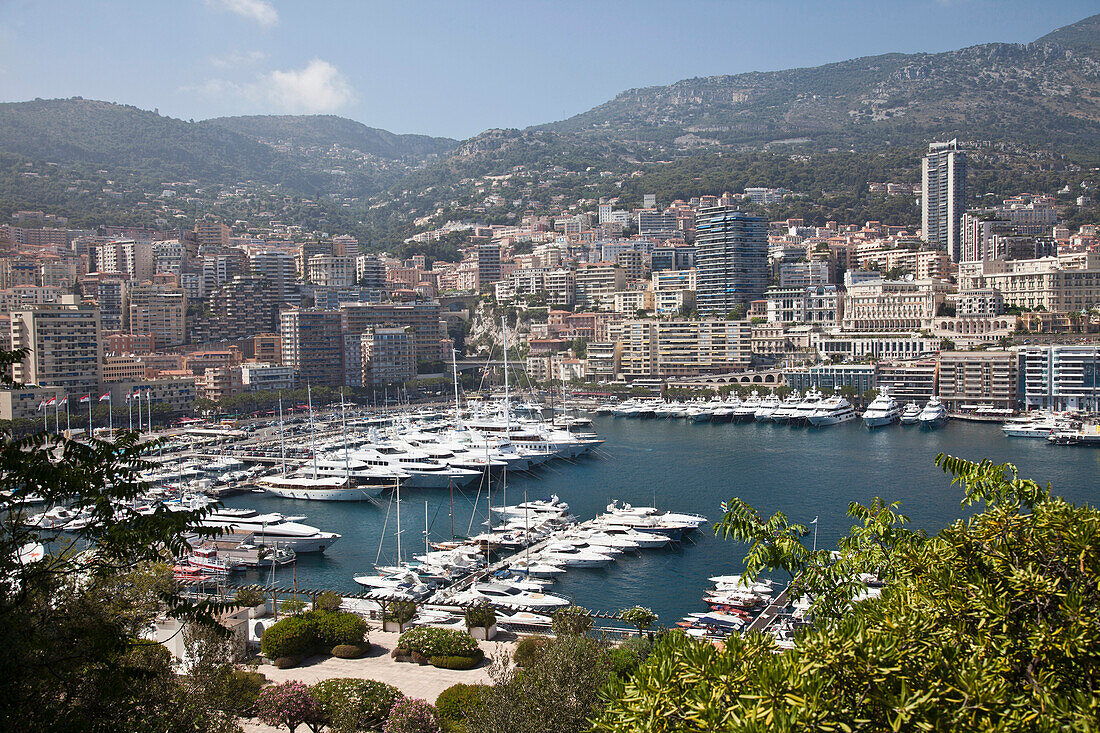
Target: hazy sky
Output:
{"points": [[456, 68]]}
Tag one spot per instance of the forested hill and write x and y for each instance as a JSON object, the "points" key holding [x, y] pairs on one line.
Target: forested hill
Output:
{"points": [[112, 136], [1047, 91], [324, 131]]}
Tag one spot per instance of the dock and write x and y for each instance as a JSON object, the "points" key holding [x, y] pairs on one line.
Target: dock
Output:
{"points": [[770, 612]]}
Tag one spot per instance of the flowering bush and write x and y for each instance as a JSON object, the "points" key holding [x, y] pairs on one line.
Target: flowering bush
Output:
{"points": [[412, 716], [356, 705], [430, 642], [290, 704], [314, 632]]}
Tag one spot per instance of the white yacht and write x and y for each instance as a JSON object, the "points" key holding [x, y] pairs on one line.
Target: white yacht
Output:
{"points": [[272, 530], [786, 409], [832, 411], [423, 471], [506, 596], [568, 555], [748, 408], [883, 410], [321, 488], [808, 406], [767, 408], [1038, 425], [933, 415], [910, 414]]}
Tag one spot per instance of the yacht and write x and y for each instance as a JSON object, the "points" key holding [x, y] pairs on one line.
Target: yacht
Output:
{"points": [[883, 410], [423, 471], [831, 411], [321, 488], [767, 408], [1038, 425], [506, 596], [933, 415], [748, 408], [809, 404], [271, 530], [910, 415], [786, 409], [536, 510], [568, 555]]}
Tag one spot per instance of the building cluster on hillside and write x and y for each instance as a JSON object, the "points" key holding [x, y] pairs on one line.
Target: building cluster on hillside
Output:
{"points": [[668, 291]]}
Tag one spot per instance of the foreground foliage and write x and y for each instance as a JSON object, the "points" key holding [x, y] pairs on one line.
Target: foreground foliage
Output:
{"points": [[992, 624]]}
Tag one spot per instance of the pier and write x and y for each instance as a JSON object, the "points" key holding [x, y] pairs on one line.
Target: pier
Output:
{"points": [[770, 612]]}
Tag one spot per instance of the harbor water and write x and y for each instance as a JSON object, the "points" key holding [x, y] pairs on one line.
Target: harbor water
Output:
{"points": [[690, 467]]}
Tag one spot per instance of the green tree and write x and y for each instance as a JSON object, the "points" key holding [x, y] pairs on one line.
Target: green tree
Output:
{"points": [[991, 624]]}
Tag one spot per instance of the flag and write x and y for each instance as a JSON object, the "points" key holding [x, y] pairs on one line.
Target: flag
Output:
{"points": [[64, 401], [106, 396], [51, 402], [137, 394], [41, 405], [724, 507], [85, 398], [815, 521]]}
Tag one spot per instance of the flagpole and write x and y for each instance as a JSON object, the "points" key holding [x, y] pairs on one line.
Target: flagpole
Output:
{"points": [[111, 415], [149, 408], [130, 410], [138, 393], [89, 416], [56, 419], [815, 534], [45, 416], [68, 427]]}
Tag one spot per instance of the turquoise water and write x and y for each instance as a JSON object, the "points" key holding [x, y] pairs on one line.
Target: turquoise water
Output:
{"points": [[692, 467]]}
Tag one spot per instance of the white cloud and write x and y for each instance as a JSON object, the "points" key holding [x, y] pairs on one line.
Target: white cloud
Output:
{"points": [[315, 88], [236, 59], [260, 11]]}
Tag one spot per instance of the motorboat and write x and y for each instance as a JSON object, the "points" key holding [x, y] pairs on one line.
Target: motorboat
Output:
{"points": [[832, 411], [910, 414], [272, 529], [933, 415], [1040, 425], [568, 555], [536, 510], [786, 409], [504, 596], [767, 408], [883, 410], [808, 406]]}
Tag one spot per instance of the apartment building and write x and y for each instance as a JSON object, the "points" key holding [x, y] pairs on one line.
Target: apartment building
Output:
{"points": [[331, 271], [798, 275], [1060, 377], [159, 310], [423, 319], [279, 270], [239, 309], [313, 345], [64, 346], [860, 377], [972, 379], [177, 393], [681, 348], [266, 377], [122, 367], [943, 196], [731, 259], [908, 381], [388, 356], [596, 283]]}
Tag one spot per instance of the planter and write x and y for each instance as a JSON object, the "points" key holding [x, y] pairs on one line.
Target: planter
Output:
{"points": [[483, 633], [258, 611], [393, 626]]}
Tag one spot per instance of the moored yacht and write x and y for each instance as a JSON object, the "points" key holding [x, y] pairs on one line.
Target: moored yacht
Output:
{"points": [[808, 406], [786, 409], [767, 407], [933, 415], [747, 409], [910, 414], [883, 410], [271, 529], [831, 411]]}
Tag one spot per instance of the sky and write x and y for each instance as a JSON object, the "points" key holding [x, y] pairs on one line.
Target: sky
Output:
{"points": [[454, 68]]}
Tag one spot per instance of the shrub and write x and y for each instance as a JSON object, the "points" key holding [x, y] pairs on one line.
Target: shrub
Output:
{"points": [[458, 662], [292, 606], [480, 616], [438, 642], [571, 620], [239, 690], [529, 649], [458, 702], [639, 617], [356, 705], [626, 657], [249, 597], [350, 651], [290, 637], [327, 601], [400, 612], [332, 629], [287, 662], [412, 716], [290, 704]]}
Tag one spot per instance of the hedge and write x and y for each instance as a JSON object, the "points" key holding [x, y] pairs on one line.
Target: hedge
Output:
{"points": [[431, 642], [458, 702], [458, 662], [356, 705], [315, 632], [350, 651]]}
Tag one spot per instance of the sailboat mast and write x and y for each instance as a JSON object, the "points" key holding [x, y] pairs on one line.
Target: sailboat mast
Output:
{"points": [[454, 366], [344, 423], [312, 436], [282, 443], [398, 521], [507, 397], [425, 527]]}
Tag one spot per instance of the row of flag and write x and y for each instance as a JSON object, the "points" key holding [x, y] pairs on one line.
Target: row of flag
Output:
{"points": [[105, 397]]}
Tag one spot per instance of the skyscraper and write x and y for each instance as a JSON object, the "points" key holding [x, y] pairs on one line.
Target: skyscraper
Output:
{"points": [[731, 259], [943, 192]]}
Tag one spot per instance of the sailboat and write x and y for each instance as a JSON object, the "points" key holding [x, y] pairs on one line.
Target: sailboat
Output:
{"points": [[303, 486]]}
